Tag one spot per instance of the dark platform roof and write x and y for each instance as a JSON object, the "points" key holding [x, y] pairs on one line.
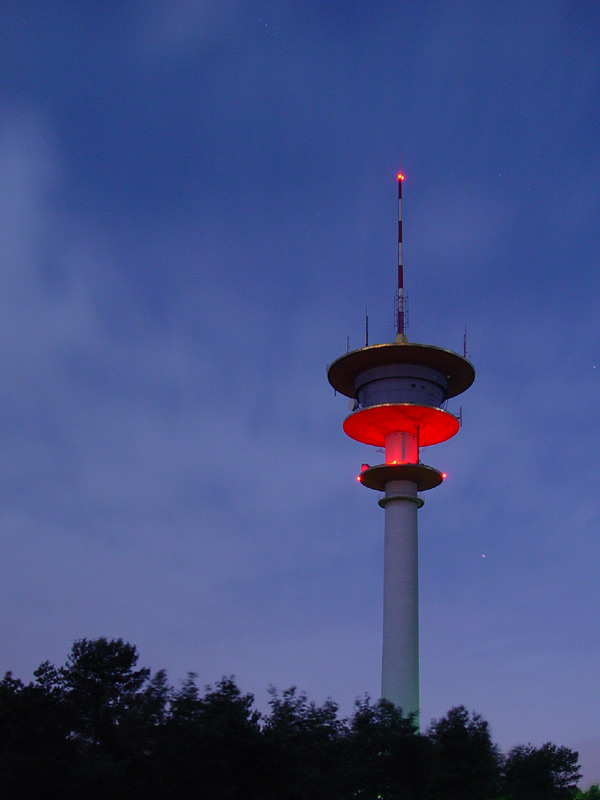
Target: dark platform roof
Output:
{"points": [[343, 371]]}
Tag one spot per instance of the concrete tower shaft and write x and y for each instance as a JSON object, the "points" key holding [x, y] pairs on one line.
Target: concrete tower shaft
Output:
{"points": [[400, 655]]}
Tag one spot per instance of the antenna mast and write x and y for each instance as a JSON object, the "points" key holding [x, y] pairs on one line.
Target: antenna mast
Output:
{"points": [[401, 321]]}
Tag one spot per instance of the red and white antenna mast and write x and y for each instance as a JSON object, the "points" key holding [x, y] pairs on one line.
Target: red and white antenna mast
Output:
{"points": [[401, 321]]}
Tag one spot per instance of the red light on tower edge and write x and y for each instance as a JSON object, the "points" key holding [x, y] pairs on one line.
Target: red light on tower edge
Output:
{"points": [[444, 475]]}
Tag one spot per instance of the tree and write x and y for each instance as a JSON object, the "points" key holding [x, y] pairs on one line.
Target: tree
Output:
{"points": [[466, 763], [35, 748], [548, 772], [102, 686], [211, 745], [231, 741], [385, 756], [155, 701], [302, 743], [593, 793], [102, 692]]}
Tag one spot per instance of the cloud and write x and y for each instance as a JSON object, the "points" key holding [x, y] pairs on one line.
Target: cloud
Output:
{"points": [[178, 29], [147, 456]]}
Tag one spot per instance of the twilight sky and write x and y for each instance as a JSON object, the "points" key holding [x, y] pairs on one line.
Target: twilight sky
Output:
{"points": [[197, 202]]}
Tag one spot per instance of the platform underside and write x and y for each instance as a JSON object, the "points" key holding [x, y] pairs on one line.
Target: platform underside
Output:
{"points": [[378, 476], [430, 425]]}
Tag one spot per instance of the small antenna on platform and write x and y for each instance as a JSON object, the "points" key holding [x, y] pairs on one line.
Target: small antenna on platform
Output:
{"points": [[401, 318], [465, 342], [347, 344], [366, 327]]}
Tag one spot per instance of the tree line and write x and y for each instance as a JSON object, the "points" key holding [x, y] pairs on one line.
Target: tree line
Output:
{"points": [[101, 727]]}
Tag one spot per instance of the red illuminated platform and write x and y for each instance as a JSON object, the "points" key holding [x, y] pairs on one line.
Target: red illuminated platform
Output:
{"points": [[425, 477], [430, 425]]}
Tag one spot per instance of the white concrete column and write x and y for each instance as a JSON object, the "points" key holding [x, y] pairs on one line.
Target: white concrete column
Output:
{"points": [[400, 665], [401, 448]]}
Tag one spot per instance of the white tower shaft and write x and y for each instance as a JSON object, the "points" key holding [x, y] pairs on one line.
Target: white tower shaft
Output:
{"points": [[400, 663]]}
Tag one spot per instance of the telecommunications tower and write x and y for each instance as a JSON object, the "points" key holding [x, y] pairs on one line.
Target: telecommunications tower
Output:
{"points": [[398, 395]]}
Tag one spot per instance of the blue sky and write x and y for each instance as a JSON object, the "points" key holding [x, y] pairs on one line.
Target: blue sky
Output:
{"points": [[197, 202]]}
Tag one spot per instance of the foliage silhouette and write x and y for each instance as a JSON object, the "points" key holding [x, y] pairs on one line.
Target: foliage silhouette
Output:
{"points": [[100, 727], [593, 793], [385, 756], [543, 773], [466, 763]]}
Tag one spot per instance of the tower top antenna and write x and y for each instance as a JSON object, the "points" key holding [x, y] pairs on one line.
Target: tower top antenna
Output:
{"points": [[401, 297]]}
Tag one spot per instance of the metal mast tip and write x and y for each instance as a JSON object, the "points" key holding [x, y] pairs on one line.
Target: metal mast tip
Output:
{"points": [[401, 319]]}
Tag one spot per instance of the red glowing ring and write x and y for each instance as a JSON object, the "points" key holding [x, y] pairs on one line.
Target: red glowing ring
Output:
{"points": [[430, 425]]}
